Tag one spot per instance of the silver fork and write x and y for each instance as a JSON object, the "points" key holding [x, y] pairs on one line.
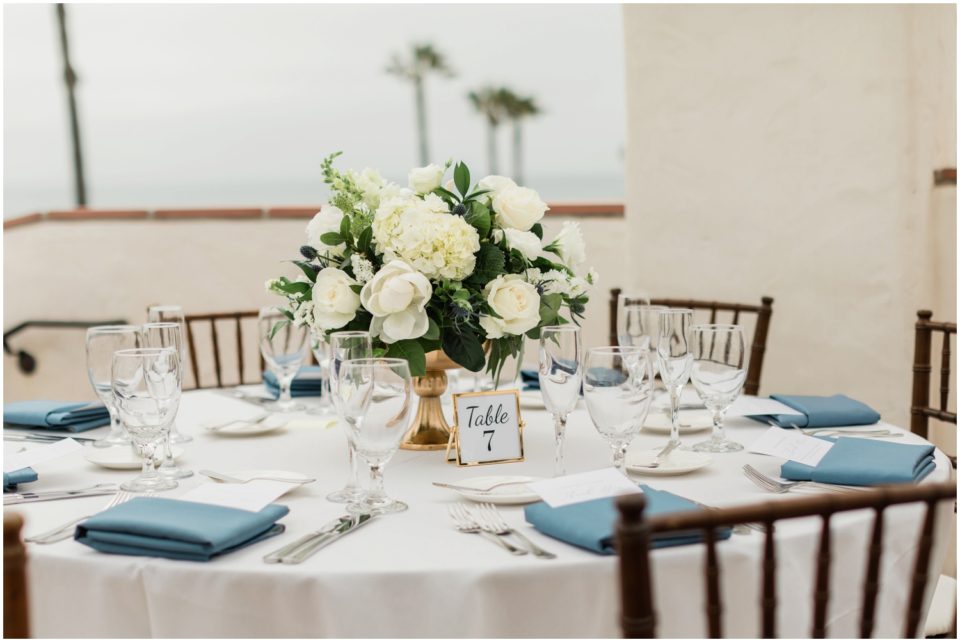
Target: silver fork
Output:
{"points": [[65, 531], [772, 485], [489, 518], [465, 523]]}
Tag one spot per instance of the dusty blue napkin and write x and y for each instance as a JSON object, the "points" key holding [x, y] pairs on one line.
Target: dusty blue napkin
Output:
{"points": [[307, 383], [855, 461], [822, 412], [160, 527], [22, 476], [531, 379], [74, 417], [592, 524]]}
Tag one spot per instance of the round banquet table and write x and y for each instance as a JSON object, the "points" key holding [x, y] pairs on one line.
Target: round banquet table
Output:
{"points": [[412, 575]]}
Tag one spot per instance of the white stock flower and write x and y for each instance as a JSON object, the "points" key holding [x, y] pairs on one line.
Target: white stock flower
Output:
{"points": [[527, 243], [362, 268], [326, 220], [517, 304], [569, 246], [518, 207], [334, 301], [303, 315], [397, 298], [425, 179]]}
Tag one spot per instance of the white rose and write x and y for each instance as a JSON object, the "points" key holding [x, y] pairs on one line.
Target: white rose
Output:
{"points": [[569, 246], [527, 243], [495, 184], [326, 220], [397, 298], [425, 179], [515, 301], [334, 302], [518, 208]]}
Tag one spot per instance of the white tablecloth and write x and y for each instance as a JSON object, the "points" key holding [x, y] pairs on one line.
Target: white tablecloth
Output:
{"points": [[413, 575]]}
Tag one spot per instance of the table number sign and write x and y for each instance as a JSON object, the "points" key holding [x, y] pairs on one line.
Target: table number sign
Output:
{"points": [[487, 428]]}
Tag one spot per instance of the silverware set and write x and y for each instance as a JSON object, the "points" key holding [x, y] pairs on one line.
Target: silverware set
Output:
{"points": [[65, 531], [44, 439], [772, 485], [301, 549], [485, 520], [871, 432], [10, 499]]}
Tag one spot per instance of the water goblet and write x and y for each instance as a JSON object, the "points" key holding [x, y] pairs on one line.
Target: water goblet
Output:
{"points": [[345, 346], [166, 335], [674, 360], [101, 342], [166, 313], [638, 323], [321, 352], [719, 372], [284, 346], [560, 377]]}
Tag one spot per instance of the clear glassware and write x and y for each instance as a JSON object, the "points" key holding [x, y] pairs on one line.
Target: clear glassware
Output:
{"points": [[376, 396], [719, 372], [166, 334], [284, 348], [674, 360], [618, 389], [101, 342], [146, 383], [508, 377], [321, 352], [345, 346], [561, 373], [166, 313], [638, 323]]}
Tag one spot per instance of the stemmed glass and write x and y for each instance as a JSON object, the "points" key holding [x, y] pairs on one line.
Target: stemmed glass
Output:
{"points": [[674, 360], [321, 352], [719, 372], [375, 398], [638, 323], [346, 346], [101, 342], [618, 388], [146, 383], [561, 374], [166, 335], [284, 346], [173, 314]]}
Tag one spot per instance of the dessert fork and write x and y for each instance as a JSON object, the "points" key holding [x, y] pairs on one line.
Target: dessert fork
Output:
{"points": [[490, 519], [65, 531], [465, 523]]}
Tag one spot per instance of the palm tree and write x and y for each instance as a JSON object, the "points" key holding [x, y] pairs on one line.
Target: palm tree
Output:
{"points": [[423, 59], [517, 108], [488, 101]]}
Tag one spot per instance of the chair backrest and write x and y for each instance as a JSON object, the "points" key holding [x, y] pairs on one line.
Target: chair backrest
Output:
{"points": [[16, 622], [920, 408], [758, 347], [634, 532], [219, 349]]}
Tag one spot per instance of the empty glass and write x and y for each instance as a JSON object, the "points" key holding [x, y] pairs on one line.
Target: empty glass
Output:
{"points": [[719, 372], [508, 377], [173, 314], [102, 341], [146, 384], [560, 378], [618, 388], [284, 346], [674, 360], [346, 346], [638, 323], [375, 397], [166, 335], [321, 352]]}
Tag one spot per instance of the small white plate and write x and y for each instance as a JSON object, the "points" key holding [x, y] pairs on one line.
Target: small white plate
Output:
{"points": [[678, 462], [517, 493], [120, 457], [294, 477], [690, 421], [241, 428]]}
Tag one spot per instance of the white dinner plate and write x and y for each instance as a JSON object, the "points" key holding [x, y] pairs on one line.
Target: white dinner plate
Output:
{"points": [[678, 462], [690, 421], [517, 493], [294, 477], [241, 428], [120, 457]]}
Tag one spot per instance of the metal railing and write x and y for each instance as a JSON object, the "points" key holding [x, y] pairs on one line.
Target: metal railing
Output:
{"points": [[26, 362]]}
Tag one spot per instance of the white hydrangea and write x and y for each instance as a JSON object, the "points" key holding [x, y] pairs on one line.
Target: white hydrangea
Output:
{"points": [[362, 268], [374, 187]]}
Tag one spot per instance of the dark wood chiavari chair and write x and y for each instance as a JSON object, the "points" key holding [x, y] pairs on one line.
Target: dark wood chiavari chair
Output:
{"points": [[757, 348], [15, 613], [634, 531], [194, 320], [921, 411]]}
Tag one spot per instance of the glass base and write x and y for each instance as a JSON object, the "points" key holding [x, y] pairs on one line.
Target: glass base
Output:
{"points": [[174, 472], [179, 438], [322, 411], [109, 441], [716, 446], [147, 484], [282, 407], [346, 495], [366, 508]]}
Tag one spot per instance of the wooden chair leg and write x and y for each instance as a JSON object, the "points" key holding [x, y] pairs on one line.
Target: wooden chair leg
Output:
{"points": [[15, 613]]}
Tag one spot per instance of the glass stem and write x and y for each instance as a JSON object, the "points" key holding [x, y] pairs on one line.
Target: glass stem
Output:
{"points": [[376, 494], [148, 468], [675, 414], [167, 452], [285, 395], [718, 436], [620, 457], [354, 467], [559, 427]]}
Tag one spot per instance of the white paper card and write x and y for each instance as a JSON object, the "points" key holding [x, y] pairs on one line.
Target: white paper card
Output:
{"points": [[792, 445], [749, 406], [38, 455], [573, 489], [253, 496], [488, 427]]}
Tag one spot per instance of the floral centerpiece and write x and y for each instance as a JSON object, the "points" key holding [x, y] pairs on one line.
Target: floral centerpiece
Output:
{"points": [[436, 266]]}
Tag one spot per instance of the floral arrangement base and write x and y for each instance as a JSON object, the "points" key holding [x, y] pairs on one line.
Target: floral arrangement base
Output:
{"points": [[429, 429]]}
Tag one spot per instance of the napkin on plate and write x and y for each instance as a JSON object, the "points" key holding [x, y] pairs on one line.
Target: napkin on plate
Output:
{"points": [[22, 476], [866, 462], [74, 417], [592, 524], [307, 383], [161, 527], [822, 412]]}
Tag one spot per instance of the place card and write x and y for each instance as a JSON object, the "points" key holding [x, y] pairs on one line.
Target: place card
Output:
{"points": [[750, 406], [792, 445], [253, 496], [487, 428], [573, 489], [34, 456]]}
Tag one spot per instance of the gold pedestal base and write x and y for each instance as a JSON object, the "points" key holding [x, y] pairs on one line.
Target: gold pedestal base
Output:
{"points": [[430, 430]]}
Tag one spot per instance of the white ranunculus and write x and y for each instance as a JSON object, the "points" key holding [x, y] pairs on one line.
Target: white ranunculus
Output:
{"points": [[527, 243], [326, 220], [495, 184], [518, 208], [425, 179], [517, 304], [397, 298], [334, 302], [569, 246]]}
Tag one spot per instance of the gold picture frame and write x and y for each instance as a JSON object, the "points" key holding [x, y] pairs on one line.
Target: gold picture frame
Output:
{"points": [[453, 444]]}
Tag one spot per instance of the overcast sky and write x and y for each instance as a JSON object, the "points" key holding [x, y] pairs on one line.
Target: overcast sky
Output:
{"points": [[237, 104]]}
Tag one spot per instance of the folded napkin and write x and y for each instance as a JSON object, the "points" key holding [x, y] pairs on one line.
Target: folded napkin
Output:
{"points": [[307, 383], [22, 476], [160, 527], [591, 524], [866, 462], [531, 379], [822, 412], [74, 417]]}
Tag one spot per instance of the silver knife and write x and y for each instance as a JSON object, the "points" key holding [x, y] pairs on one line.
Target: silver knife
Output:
{"points": [[29, 498], [44, 439], [310, 543]]}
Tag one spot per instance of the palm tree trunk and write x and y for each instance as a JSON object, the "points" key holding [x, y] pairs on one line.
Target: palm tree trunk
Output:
{"points": [[71, 80], [492, 146], [421, 121], [517, 151]]}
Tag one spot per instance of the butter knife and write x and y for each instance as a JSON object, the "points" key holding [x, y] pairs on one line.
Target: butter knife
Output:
{"points": [[45, 439], [29, 498], [310, 543]]}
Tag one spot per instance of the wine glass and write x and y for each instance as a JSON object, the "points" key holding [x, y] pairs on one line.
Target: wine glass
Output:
{"points": [[101, 342], [638, 323], [674, 360], [375, 398], [166, 335], [345, 346], [719, 372], [321, 352], [618, 388], [284, 346], [560, 377], [146, 383], [173, 314]]}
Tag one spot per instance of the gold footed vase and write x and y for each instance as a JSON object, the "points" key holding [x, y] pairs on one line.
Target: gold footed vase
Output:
{"points": [[429, 429]]}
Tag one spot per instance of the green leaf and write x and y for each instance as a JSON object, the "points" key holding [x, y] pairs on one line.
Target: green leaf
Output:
{"points": [[412, 351], [479, 217], [477, 193], [433, 332], [331, 238], [461, 178], [366, 236], [344, 228], [294, 287], [308, 269], [277, 326], [552, 301], [465, 348], [538, 230], [490, 263], [356, 287], [445, 193]]}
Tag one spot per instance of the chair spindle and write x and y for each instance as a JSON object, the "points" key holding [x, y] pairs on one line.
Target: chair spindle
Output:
{"points": [[769, 599], [712, 573], [920, 571], [871, 584], [821, 595]]}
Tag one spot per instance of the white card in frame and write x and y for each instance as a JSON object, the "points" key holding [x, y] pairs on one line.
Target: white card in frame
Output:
{"points": [[488, 428]]}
